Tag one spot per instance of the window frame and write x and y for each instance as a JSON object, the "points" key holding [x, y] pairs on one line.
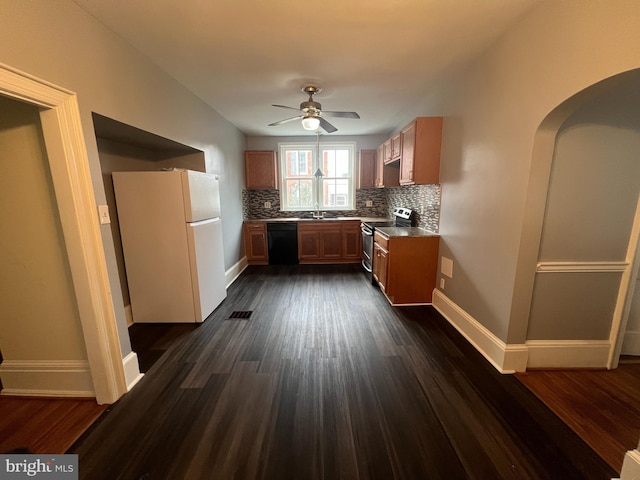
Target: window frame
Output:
{"points": [[283, 148]]}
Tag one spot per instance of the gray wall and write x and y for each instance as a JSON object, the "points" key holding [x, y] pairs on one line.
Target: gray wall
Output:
{"points": [[493, 109], [592, 198], [58, 41]]}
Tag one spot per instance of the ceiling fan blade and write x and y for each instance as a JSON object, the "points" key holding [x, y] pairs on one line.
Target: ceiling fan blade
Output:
{"points": [[284, 106], [326, 126], [341, 114], [285, 121]]}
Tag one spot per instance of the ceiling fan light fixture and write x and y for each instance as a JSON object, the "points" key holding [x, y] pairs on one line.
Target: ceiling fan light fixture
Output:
{"points": [[310, 123]]}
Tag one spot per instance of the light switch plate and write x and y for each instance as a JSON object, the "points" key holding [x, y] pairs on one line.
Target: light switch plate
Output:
{"points": [[368, 203], [103, 214]]}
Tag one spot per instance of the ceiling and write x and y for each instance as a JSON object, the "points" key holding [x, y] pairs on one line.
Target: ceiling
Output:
{"points": [[375, 57]]}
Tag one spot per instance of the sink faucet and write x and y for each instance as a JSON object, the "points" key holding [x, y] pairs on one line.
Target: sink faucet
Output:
{"points": [[318, 213]]}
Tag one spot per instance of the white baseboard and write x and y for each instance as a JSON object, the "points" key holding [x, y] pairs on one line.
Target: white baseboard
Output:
{"points": [[631, 343], [131, 370], [47, 378], [234, 272], [505, 358], [568, 353], [631, 466]]}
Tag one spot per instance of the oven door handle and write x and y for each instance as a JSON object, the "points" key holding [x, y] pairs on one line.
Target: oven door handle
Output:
{"points": [[366, 231], [364, 265]]}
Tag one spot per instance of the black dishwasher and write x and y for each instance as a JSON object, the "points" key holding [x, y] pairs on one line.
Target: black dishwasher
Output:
{"points": [[283, 243]]}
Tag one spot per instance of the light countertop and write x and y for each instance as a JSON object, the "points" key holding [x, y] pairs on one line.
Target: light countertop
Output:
{"points": [[393, 232]]}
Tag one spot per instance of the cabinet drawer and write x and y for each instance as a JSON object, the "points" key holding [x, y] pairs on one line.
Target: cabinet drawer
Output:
{"points": [[381, 240], [255, 226]]}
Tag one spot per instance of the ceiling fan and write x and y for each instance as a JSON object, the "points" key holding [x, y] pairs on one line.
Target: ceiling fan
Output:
{"points": [[312, 113]]}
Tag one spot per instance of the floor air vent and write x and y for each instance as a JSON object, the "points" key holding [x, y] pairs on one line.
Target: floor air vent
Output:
{"points": [[241, 314]]}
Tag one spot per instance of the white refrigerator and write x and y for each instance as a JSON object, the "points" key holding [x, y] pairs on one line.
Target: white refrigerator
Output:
{"points": [[172, 244]]}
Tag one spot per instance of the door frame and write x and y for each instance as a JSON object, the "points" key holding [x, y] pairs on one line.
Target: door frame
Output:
{"points": [[625, 293], [69, 164]]}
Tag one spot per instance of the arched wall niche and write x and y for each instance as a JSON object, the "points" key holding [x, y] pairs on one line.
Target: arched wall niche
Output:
{"points": [[597, 349]]}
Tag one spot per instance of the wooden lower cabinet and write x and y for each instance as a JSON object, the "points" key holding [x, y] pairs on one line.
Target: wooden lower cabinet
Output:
{"points": [[351, 241], [255, 243], [327, 241], [406, 267], [380, 265]]}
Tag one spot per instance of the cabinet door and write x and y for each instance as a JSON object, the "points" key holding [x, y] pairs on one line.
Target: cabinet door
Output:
{"points": [[351, 241], [380, 265], [395, 147], [408, 141], [260, 169], [380, 167], [331, 244], [255, 241], [367, 169], [386, 150], [308, 244]]}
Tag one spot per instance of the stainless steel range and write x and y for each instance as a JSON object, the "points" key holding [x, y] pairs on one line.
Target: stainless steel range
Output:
{"points": [[402, 217]]}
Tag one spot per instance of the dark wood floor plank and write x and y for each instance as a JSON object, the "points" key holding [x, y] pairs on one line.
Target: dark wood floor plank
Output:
{"points": [[602, 406], [325, 380]]}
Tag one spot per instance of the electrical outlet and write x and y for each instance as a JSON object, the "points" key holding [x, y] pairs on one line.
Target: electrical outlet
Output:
{"points": [[442, 284], [446, 267], [368, 203], [267, 204]]}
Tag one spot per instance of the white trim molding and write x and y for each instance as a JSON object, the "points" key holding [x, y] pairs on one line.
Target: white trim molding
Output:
{"points": [[581, 267], [132, 370], [72, 182], [568, 353], [47, 378], [234, 272], [505, 358], [630, 466]]}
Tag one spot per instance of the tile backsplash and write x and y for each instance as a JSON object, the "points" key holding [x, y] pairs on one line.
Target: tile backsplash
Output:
{"points": [[423, 199]]}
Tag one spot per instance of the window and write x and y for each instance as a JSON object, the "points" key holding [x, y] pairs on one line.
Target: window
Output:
{"points": [[301, 190]]}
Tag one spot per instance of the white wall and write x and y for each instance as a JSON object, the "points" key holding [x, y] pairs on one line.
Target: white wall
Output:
{"points": [[57, 41], [492, 110]]}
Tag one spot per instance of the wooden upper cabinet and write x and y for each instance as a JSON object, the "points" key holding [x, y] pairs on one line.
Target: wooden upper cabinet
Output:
{"points": [[380, 167], [386, 173], [260, 169], [386, 151], [367, 169], [420, 144], [395, 148]]}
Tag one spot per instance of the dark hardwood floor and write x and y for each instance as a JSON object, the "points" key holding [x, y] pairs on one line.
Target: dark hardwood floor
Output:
{"points": [[600, 405], [326, 381]]}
